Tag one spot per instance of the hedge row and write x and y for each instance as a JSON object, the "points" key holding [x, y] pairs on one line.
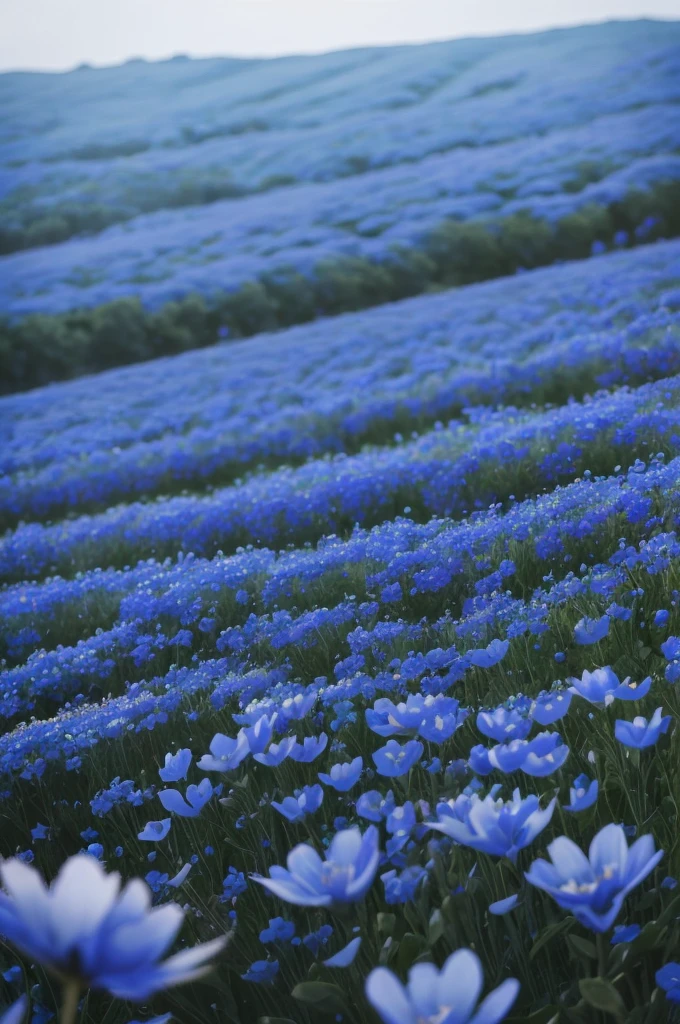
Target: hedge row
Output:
{"points": [[43, 348]]}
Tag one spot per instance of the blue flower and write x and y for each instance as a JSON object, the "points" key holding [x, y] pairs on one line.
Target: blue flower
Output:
{"points": [[196, 799], [591, 631], [260, 734], [309, 749], [547, 752], [493, 826], [625, 933], [374, 806], [434, 717], [40, 832], [641, 733], [479, 760], [602, 686], [593, 888], [16, 1013], [402, 888], [661, 617], [489, 656], [448, 996], [343, 776], [344, 877], [503, 724], [225, 753], [233, 885], [154, 831], [582, 794], [345, 956], [262, 972], [176, 766], [393, 760], [550, 707], [668, 978], [277, 753], [84, 927], [306, 801], [315, 940], [279, 930], [671, 648]]}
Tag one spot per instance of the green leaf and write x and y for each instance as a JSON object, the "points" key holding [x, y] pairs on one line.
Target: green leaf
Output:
{"points": [[410, 947], [601, 995], [321, 995], [582, 947], [546, 1015], [549, 933]]}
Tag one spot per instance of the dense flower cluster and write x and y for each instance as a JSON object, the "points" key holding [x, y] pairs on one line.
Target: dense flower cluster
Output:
{"points": [[340, 708]]}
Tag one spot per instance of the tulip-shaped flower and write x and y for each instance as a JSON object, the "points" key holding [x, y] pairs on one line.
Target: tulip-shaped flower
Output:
{"points": [[277, 753], [305, 801], [176, 766], [593, 888], [641, 733], [602, 686], [344, 877], [343, 776], [92, 934], [310, 748], [196, 799], [393, 760], [493, 826], [225, 753], [260, 734], [448, 996]]}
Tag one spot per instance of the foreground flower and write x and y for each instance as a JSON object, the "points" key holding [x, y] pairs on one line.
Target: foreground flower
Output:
{"points": [[448, 996], [641, 733], [92, 934], [593, 888], [493, 826], [344, 877]]}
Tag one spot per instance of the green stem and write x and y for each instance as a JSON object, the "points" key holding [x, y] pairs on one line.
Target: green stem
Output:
{"points": [[69, 1002]]}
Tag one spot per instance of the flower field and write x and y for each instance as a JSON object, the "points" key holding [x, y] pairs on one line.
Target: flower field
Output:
{"points": [[357, 641]]}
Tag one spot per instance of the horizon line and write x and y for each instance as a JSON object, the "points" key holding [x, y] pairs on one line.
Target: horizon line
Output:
{"points": [[245, 57]]}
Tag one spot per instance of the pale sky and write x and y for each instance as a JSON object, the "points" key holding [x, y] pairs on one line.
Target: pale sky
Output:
{"points": [[59, 34]]}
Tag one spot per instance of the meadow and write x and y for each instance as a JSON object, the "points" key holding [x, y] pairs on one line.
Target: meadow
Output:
{"points": [[333, 634]]}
